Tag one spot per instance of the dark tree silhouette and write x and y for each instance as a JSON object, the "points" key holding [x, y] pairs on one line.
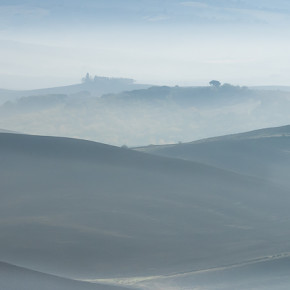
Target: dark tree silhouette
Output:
{"points": [[215, 83]]}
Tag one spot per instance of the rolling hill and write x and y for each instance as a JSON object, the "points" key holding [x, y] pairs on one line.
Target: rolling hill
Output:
{"points": [[81, 209], [13, 277], [262, 153]]}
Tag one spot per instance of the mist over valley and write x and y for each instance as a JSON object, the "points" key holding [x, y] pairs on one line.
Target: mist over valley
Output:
{"points": [[153, 115], [144, 145]]}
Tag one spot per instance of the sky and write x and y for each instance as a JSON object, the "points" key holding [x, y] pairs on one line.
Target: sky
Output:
{"points": [[46, 43]]}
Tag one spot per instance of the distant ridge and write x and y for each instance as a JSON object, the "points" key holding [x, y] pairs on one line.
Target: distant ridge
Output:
{"points": [[263, 153], [96, 87], [282, 131], [272, 88], [7, 131]]}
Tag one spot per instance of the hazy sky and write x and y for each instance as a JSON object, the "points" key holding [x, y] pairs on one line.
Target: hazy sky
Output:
{"points": [[47, 43]]}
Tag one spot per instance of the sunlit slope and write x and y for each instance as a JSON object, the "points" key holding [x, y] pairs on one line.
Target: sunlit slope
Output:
{"points": [[261, 274], [17, 278], [264, 153], [85, 209]]}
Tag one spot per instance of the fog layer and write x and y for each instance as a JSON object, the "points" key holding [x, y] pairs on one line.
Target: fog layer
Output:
{"points": [[157, 115]]}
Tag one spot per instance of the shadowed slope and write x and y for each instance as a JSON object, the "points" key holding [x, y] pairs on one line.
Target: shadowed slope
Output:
{"points": [[84, 209], [13, 277], [263, 153]]}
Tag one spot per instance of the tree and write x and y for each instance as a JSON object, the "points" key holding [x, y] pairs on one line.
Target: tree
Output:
{"points": [[215, 83]]}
